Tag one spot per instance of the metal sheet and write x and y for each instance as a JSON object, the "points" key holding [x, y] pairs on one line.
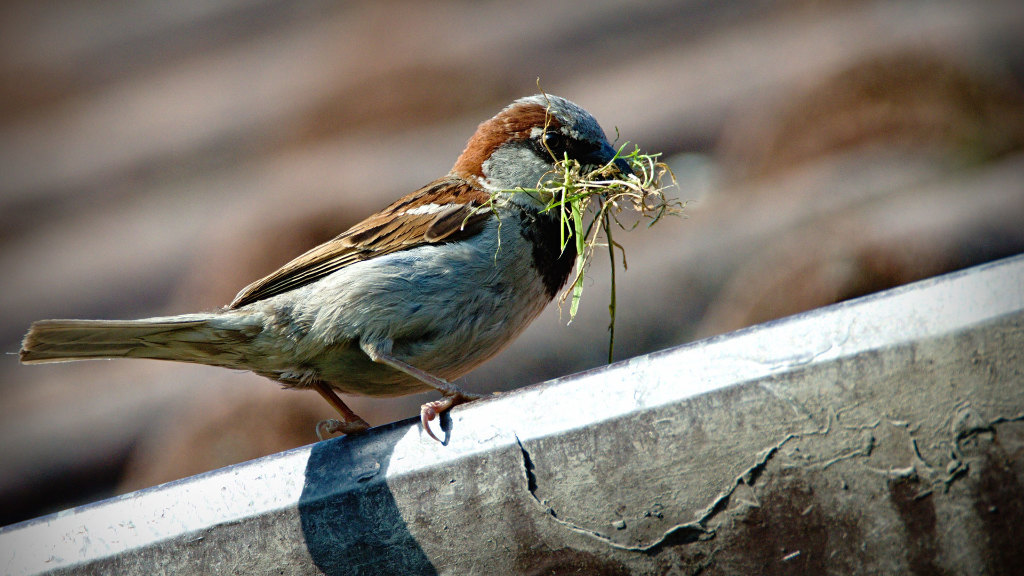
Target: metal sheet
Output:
{"points": [[883, 434]]}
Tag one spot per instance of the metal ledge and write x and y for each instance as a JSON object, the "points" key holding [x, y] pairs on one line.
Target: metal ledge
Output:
{"points": [[881, 435]]}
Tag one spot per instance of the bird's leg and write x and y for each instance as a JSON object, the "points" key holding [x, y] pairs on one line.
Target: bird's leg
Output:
{"points": [[453, 395], [350, 423]]}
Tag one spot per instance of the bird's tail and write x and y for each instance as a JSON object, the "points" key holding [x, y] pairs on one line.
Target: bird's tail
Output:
{"points": [[199, 338]]}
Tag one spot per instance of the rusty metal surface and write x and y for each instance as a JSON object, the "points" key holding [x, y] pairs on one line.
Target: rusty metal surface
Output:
{"points": [[882, 435]]}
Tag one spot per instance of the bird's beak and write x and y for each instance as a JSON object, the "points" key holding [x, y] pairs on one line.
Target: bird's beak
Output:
{"points": [[623, 167], [607, 153]]}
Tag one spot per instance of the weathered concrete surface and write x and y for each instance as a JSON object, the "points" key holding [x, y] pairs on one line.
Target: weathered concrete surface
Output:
{"points": [[884, 435]]}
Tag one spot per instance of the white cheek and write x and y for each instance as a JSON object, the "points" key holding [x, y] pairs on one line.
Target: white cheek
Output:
{"points": [[514, 166]]}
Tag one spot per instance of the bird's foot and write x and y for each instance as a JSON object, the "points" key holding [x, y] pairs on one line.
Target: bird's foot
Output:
{"points": [[327, 428], [432, 410]]}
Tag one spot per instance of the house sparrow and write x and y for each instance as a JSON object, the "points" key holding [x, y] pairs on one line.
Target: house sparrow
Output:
{"points": [[410, 298]]}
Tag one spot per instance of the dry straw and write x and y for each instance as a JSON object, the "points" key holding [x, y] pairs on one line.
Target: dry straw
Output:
{"points": [[592, 201]]}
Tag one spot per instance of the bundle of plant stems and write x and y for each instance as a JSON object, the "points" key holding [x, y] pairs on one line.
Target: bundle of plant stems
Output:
{"points": [[592, 202]]}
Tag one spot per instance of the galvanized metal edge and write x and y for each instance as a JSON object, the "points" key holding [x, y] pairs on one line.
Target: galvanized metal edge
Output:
{"points": [[271, 512]]}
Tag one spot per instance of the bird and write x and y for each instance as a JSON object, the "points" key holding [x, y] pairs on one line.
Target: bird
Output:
{"points": [[407, 300]]}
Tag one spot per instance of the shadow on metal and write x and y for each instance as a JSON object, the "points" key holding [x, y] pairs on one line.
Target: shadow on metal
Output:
{"points": [[349, 517]]}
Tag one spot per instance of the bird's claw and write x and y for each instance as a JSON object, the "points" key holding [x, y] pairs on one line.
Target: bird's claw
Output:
{"points": [[327, 428], [432, 410]]}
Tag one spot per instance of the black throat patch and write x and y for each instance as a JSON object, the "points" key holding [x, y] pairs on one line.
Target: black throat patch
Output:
{"points": [[549, 260]]}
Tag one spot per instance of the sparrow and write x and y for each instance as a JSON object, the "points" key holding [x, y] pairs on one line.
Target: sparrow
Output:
{"points": [[407, 300]]}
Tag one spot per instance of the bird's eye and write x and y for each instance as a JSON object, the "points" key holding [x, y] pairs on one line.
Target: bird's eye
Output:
{"points": [[555, 142]]}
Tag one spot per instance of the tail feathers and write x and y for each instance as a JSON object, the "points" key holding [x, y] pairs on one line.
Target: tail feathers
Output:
{"points": [[191, 338]]}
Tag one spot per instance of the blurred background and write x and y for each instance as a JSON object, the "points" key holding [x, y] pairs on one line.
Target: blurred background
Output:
{"points": [[155, 157]]}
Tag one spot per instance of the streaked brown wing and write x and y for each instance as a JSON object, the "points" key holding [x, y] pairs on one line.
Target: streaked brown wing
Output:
{"points": [[445, 210]]}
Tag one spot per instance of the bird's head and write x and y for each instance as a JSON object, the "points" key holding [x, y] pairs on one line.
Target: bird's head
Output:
{"points": [[518, 147]]}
